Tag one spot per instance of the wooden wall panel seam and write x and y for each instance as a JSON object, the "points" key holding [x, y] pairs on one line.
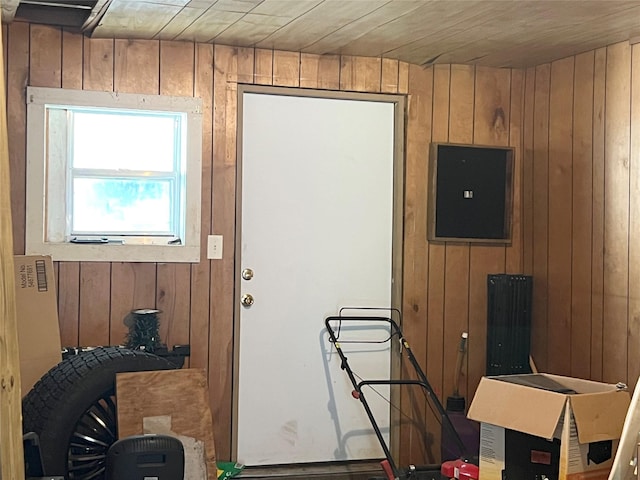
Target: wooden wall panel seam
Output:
{"points": [[597, 276]]}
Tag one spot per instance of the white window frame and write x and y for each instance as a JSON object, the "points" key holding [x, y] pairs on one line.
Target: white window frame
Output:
{"points": [[38, 98]]}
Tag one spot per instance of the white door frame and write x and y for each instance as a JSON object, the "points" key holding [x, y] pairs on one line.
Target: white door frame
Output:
{"points": [[397, 234]]}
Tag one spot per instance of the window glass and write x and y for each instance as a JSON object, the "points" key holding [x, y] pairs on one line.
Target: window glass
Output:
{"points": [[135, 141], [122, 206]]}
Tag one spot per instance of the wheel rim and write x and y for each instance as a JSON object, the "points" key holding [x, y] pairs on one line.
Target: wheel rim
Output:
{"points": [[93, 434]]}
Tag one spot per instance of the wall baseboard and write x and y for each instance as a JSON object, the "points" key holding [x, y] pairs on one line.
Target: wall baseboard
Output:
{"points": [[355, 470]]}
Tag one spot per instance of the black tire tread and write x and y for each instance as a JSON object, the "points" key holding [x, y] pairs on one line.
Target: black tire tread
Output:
{"points": [[40, 403], [74, 383]]}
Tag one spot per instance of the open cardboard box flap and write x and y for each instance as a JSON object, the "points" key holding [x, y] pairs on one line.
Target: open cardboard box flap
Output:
{"points": [[600, 416], [524, 409], [599, 408]]}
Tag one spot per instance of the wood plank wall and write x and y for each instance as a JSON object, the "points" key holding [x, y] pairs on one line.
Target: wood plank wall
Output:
{"points": [[581, 215], [11, 453], [444, 285]]}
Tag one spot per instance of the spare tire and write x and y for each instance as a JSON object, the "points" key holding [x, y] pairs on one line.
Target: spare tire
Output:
{"points": [[72, 409]]}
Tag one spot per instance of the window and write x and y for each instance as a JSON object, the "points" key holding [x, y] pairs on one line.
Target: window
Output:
{"points": [[113, 177]]}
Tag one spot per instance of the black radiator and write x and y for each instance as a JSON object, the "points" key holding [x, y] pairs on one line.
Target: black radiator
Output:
{"points": [[509, 324]]}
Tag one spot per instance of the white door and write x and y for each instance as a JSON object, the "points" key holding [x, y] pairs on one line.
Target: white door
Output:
{"points": [[316, 233]]}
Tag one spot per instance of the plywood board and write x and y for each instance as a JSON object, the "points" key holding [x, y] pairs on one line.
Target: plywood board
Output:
{"points": [[143, 395]]}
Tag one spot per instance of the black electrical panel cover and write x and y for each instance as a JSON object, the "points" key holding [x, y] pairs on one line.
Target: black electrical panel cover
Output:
{"points": [[470, 193]]}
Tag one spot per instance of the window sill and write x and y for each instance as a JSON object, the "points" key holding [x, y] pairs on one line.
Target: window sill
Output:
{"points": [[73, 252]]}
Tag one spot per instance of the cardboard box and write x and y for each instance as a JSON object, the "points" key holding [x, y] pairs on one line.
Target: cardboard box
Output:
{"points": [[37, 316], [547, 426]]}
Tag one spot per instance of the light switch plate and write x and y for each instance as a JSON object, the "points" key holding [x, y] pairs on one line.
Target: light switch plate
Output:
{"points": [[214, 247]]}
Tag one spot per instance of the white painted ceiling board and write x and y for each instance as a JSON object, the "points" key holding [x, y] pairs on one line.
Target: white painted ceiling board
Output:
{"points": [[251, 29], [9, 8], [419, 26], [210, 24], [336, 40], [323, 20], [286, 8], [241, 6], [127, 19], [180, 22]]}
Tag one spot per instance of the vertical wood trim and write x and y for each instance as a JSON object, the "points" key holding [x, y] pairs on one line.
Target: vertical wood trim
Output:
{"points": [[320, 71], [98, 64], [309, 70], [263, 66], [45, 59], [223, 221], [11, 454], [94, 309], [69, 272], [403, 77], [16, 83], [136, 66], [634, 224], [527, 172], [616, 215], [173, 295], [416, 255], [490, 127], [437, 261], [389, 81], [309, 64], [69, 303], [560, 218], [95, 303], [5, 56], [246, 57], [360, 74], [329, 72], [514, 252], [581, 216], [45, 70], [133, 285], [200, 273], [72, 52], [539, 330], [597, 236], [456, 280], [176, 68], [286, 69]]}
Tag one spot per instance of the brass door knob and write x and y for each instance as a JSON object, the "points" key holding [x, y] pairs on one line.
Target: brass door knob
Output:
{"points": [[247, 274], [247, 300]]}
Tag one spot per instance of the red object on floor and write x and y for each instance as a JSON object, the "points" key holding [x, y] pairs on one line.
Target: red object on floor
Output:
{"points": [[468, 471], [448, 469], [460, 470]]}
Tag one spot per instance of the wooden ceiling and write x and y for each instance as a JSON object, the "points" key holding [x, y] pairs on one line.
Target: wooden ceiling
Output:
{"points": [[500, 33]]}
